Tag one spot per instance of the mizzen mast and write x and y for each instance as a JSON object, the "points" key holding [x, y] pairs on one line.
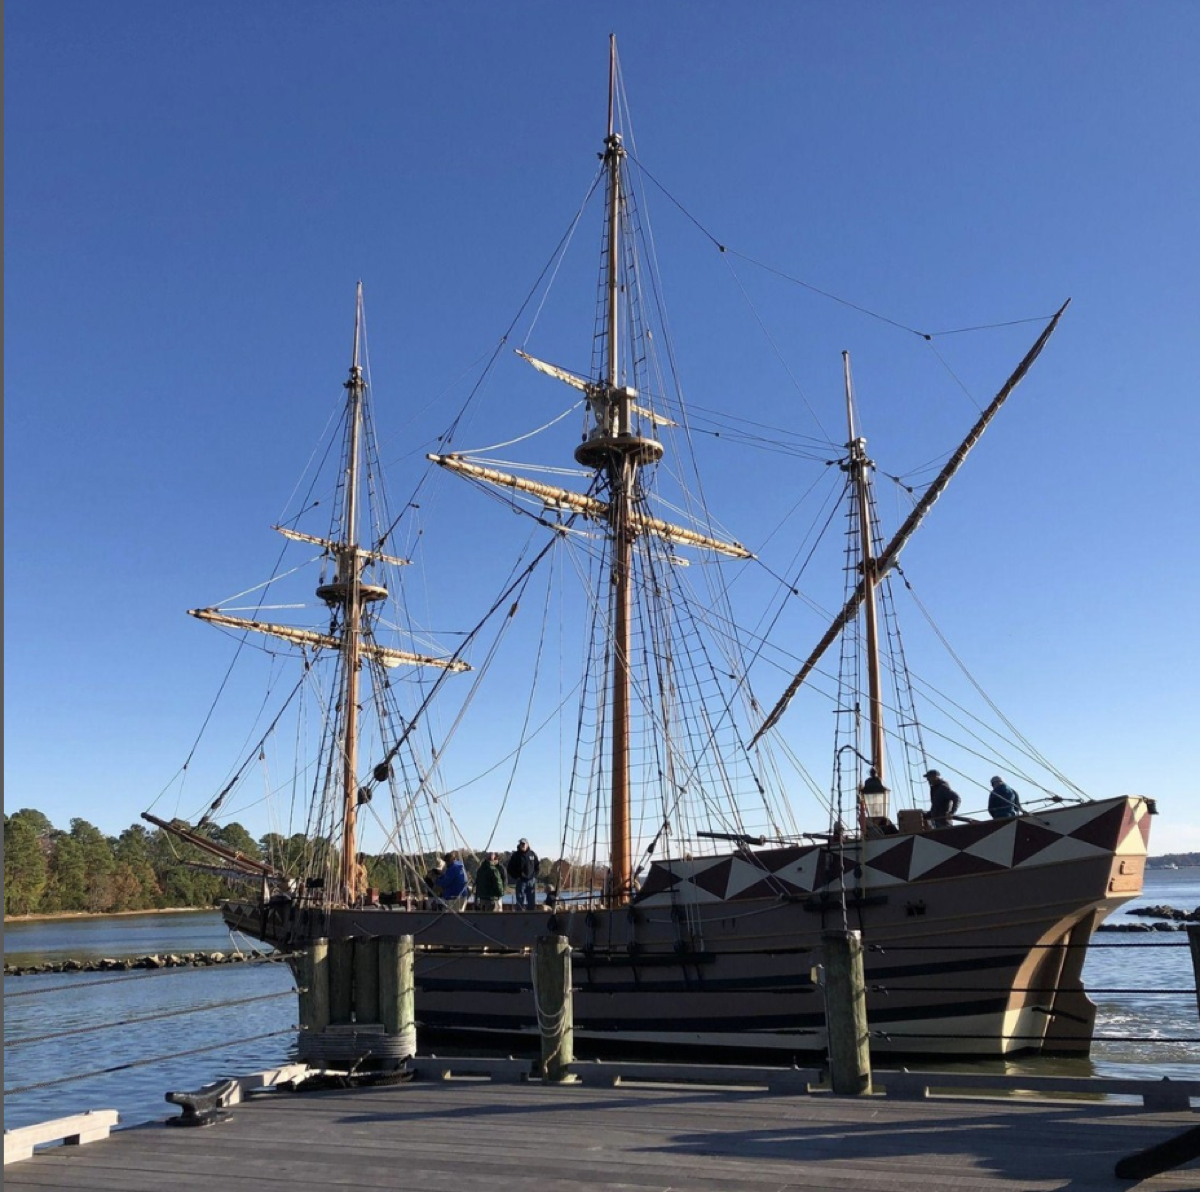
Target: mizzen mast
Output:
{"points": [[858, 468], [887, 558]]}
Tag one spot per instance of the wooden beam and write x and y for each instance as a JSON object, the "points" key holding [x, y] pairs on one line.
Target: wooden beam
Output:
{"points": [[71, 1131]]}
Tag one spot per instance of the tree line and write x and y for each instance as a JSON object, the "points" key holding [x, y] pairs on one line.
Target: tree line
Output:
{"points": [[49, 870]]}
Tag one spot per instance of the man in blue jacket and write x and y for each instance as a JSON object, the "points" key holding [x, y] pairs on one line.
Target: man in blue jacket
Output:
{"points": [[1003, 801], [451, 885]]}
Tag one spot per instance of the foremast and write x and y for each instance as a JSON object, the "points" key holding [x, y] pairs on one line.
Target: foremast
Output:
{"points": [[350, 592]]}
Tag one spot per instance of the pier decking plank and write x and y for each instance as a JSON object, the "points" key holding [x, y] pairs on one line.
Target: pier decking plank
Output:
{"points": [[471, 1135]]}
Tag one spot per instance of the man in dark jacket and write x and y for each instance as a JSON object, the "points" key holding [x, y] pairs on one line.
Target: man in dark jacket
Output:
{"points": [[522, 872], [1003, 801], [943, 802], [489, 884]]}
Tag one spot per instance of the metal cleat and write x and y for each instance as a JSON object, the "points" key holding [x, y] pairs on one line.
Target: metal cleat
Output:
{"points": [[206, 1106]]}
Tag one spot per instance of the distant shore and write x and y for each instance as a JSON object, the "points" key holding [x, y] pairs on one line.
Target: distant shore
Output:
{"points": [[153, 910]]}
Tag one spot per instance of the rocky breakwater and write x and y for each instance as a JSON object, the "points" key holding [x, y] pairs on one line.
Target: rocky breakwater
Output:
{"points": [[1166, 918], [129, 963]]}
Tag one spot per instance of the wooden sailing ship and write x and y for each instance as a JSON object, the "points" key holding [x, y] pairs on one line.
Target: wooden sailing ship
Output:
{"points": [[702, 935]]}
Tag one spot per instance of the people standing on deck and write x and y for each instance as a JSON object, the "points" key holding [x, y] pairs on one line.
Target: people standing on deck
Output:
{"points": [[943, 802], [451, 886], [432, 876], [1003, 801], [489, 884], [522, 871]]}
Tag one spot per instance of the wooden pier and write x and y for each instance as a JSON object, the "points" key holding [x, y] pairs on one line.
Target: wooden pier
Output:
{"points": [[602, 1133]]}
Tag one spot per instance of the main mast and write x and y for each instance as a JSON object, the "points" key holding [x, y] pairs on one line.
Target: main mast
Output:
{"points": [[613, 448]]}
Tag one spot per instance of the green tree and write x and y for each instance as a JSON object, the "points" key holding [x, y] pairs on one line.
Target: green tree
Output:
{"points": [[36, 820], [297, 855], [135, 884], [66, 888], [98, 866], [25, 868], [174, 864], [236, 837]]}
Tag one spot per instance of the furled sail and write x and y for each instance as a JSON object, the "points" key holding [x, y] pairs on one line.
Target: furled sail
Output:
{"points": [[372, 556], [326, 641], [592, 507], [592, 390], [244, 865]]}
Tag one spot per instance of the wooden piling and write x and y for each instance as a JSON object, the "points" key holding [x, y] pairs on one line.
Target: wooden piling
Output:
{"points": [[846, 1013], [341, 981], [555, 1012], [311, 968], [366, 979], [397, 996]]}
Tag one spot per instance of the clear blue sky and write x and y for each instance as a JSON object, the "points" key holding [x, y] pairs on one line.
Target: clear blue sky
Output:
{"points": [[191, 192]]}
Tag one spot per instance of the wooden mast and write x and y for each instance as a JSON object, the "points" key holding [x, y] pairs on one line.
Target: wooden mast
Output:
{"points": [[888, 556], [858, 467], [622, 469], [614, 448], [349, 580]]}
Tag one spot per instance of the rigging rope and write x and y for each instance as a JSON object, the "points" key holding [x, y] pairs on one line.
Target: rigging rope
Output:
{"points": [[104, 1026], [157, 1059], [925, 335]]}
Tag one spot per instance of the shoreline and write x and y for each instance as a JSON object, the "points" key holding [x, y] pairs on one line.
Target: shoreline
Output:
{"points": [[50, 916]]}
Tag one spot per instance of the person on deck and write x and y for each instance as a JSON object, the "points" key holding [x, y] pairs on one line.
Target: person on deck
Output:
{"points": [[943, 802], [522, 872], [489, 884], [1003, 801], [432, 876], [451, 886]]}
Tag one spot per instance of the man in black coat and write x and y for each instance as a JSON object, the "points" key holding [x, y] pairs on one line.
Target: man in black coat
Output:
{"points": [[943, 802], [522, 871]]}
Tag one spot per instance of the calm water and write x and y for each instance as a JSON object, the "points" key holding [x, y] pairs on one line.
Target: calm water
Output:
{"points": [[223, 1040]]}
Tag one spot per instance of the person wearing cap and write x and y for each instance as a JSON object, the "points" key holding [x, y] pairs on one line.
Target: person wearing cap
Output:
{"points": [[1003, 801], [522, 872], [490, 883], [943, 802]]}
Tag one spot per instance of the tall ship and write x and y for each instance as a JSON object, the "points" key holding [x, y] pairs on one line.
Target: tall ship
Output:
{"points": [[694, 903]]}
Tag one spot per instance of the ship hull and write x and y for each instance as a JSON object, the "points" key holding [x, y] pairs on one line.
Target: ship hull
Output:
{"points": [[974, 941]]}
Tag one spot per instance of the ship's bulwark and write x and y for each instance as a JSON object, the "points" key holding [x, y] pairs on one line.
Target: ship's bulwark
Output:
{"points": [[973, 933]]}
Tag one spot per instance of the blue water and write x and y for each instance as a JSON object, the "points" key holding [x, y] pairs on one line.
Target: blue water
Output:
{"points": [[114, 935], [196, 1021], [221, 1034]]}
